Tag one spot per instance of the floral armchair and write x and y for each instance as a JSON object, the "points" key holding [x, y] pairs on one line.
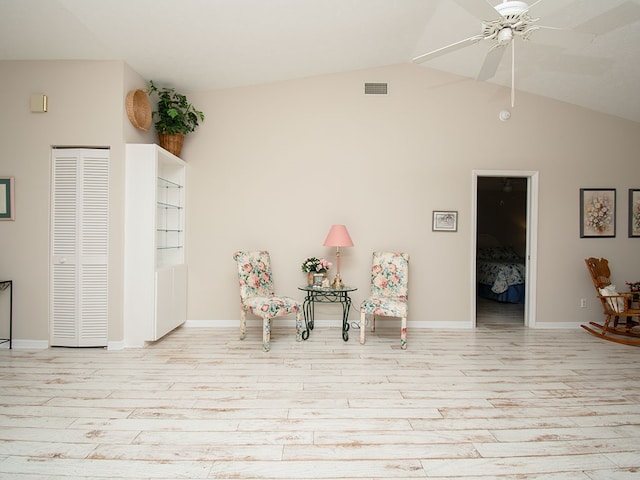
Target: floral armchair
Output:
{"points": [[257, 296], [389, 287]]}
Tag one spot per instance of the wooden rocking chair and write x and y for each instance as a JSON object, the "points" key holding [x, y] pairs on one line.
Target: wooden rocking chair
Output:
{"points": [[616, 306]]}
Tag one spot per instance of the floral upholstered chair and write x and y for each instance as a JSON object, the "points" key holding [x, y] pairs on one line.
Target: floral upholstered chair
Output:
{"points": [[257, 296], [389, 286]]}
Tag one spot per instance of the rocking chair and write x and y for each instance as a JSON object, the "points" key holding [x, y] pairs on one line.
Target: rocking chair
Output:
{"points": [[616, 306]]}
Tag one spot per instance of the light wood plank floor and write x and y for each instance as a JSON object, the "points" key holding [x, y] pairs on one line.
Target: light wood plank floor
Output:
{"points": [[491, 312], [500, 401]]}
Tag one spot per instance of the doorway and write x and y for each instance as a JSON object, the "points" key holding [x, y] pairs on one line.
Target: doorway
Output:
{"points": [[503, 251]]}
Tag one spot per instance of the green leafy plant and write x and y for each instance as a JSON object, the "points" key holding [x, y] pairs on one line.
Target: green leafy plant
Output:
{"points": [[174, 114]]}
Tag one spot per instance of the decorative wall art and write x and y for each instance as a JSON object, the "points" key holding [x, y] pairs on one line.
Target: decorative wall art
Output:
{"points": [[7, 208], [597, 212], [446, 221], [634, 212]]}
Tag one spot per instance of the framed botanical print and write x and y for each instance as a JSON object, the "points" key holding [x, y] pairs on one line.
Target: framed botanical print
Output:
{"points": [[597, 212], [634, 212]]}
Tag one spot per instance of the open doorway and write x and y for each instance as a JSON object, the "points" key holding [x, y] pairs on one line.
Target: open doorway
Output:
{"points": [[504, 222]]}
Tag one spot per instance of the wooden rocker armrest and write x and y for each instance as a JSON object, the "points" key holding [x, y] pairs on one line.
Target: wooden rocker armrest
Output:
{"points": [[628, 294], [620, 303]]}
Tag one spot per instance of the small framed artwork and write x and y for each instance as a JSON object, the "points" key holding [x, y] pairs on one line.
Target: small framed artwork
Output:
{"points": [[446, 221], [634, 212], [6, 199], [597, 212]]}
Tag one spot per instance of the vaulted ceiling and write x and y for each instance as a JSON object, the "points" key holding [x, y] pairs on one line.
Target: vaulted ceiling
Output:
{"points": [[199, 45]]}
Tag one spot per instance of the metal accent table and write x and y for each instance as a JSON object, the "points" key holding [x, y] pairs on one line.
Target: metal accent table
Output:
{"points": [[326, 295], [4, 284]]}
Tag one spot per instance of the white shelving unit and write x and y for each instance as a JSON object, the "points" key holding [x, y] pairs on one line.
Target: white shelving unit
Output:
{"points": [[155, 270], [170, 221]]}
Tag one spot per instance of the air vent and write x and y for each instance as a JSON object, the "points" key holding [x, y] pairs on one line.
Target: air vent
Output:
{"points": [[375, 88]]}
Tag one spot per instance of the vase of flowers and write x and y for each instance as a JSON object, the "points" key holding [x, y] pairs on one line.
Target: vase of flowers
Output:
{"points": [[316, 270]]}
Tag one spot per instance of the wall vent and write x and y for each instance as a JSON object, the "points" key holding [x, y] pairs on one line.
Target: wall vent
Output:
{"points": [[375, 89]]}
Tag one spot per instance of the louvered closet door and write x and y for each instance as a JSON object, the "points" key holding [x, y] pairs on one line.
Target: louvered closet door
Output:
{"points": [[79, 247]]}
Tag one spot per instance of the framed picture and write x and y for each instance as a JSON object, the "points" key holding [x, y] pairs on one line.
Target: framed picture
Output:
{"points": [[6, 198], [445, 221], [597, 212], [634, 212]]}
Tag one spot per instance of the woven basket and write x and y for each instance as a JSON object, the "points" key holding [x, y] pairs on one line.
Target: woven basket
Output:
{"points": [[171, 143], [139, 109]]}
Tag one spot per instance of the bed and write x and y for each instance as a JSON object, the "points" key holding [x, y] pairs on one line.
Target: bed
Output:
{"points": [[500, 274]]}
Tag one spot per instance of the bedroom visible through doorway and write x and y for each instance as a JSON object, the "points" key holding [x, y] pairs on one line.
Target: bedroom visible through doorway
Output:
{"points": [[501, 248]]}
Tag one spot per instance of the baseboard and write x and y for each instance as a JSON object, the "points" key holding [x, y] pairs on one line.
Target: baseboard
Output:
{"points": [[27, 344], [380, 323], [116, 345], [560, 325]]}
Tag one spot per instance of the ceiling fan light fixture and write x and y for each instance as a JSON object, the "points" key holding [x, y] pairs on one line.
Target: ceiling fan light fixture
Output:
{"points": [[512, 8], [505, 36]]}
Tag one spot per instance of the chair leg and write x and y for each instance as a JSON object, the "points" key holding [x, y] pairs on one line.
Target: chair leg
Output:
{"points": [[373, 323], [299, 327], [266, 334], [243, 324], [403, 334], [363, 324]]}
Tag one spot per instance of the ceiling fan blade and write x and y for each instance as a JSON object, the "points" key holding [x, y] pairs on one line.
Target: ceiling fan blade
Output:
{"points": [[541, 9], [449, 48], [624, 14], [481, 9], [491, 63], [561, 36], [533, 5]]}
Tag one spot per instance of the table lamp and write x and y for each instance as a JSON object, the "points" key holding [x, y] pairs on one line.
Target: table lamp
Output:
{"points": [[338, 237]]}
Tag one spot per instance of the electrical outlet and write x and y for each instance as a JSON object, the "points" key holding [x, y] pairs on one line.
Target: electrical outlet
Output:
{"points": [[583, 303]]}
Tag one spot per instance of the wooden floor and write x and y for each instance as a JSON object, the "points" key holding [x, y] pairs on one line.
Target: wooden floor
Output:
{"points": [[491, 312], [500, 401]]}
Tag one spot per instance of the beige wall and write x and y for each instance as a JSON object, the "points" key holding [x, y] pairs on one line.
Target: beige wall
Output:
{"points": [[86, 108], [273, 166]]}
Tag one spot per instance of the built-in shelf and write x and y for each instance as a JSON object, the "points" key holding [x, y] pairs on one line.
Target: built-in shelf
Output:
{"points": [[169, 221], [155, 270]]}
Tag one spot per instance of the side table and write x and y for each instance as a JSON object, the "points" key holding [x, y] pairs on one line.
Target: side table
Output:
{"points": [[326, 295], [4, 284]]}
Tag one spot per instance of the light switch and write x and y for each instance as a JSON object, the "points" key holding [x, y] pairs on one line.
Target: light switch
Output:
{"points": [[38, 103]]}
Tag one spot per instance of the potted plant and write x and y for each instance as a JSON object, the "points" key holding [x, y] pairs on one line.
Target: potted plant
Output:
{"points": [[175, 117]]}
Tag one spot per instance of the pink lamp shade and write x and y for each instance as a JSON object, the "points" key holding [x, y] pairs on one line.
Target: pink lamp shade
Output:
{"points": [[338, 237]]}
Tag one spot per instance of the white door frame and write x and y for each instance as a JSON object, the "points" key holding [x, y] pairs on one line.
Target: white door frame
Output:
{"points": [[532, 239]]}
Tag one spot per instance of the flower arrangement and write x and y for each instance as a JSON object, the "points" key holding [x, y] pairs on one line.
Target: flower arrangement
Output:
{"points": [[636, 217], [633, 286], [318, 265], [599, 213]]}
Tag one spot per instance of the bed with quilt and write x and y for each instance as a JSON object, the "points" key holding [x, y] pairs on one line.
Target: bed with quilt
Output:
{"points": [[500, 274]]}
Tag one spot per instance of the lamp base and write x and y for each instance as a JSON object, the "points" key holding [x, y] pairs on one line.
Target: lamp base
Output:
{"points": [[337, 283]]}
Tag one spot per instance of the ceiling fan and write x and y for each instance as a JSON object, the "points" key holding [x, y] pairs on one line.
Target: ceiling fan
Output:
{"points": [[513, 19]]}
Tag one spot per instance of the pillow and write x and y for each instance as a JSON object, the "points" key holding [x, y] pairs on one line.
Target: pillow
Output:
{"points": [[616, 304]]}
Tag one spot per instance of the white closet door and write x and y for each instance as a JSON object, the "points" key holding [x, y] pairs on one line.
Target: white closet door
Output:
{"points": [[79, 247]]}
